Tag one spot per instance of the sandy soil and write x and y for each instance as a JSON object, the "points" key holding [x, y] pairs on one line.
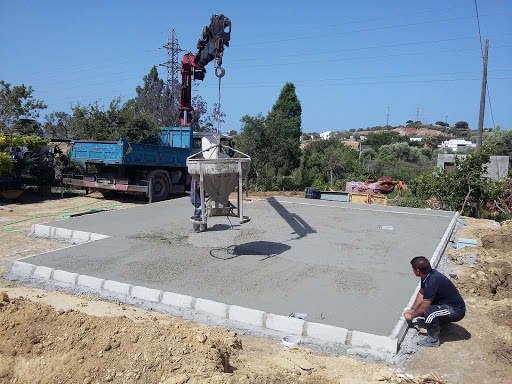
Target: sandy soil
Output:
{"points": [[53, 337]]}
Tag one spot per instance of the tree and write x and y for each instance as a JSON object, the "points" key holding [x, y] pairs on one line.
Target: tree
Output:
{"points": [[462, 126], [376, 140], [284, 130], [93, 122], [461, 187], [442, 124], [57, 124], [18, 109], [155, 99], [253, 141], [11, 162]]}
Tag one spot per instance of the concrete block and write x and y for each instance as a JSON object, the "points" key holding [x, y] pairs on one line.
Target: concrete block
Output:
{"points": [[65, 277], [22, 268], [43, 272], [246, 315], [62, 233], [285, 324], [79, 237], [146, 293], [327, 332], [117, 287], [213, 307], [177, 300], [40, 230], [376, 342], [98, 236], [89, 282]]}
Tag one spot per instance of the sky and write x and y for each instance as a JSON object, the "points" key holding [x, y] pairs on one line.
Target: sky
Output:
{"points": [[354, 64]]}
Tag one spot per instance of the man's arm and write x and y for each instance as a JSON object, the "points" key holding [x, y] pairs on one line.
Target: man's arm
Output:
{"points": [[418, 307]]}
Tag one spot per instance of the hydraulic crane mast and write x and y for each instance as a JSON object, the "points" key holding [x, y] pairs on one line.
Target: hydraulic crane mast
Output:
{"points": [[210, 47]]}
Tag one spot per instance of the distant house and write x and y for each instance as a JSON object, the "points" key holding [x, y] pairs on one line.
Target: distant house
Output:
{"points": [[455, 144], [497, 168], [326, 135], [416, 139]]}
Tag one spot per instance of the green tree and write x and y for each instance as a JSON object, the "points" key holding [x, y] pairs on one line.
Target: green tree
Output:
{"points": [[284, 130], [57, 124], [273, 142], [18, 109], [462, 186], [10, 145], [93, 122], [376, 140], [252, 140]]}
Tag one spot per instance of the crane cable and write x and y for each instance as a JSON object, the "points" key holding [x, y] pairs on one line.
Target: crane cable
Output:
{"points": [[219, 72]]}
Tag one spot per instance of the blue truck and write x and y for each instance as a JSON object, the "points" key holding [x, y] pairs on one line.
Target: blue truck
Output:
{"points": [[151, 171]]}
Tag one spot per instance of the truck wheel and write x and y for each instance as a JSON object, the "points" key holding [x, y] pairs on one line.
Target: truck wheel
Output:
{"points": [[160, 187]]}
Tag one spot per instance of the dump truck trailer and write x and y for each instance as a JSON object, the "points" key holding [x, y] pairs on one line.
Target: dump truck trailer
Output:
{"points": [[152, 171]]}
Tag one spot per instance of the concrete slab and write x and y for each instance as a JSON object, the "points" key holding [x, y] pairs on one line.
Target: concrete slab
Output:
{"points": [[345, 265]]}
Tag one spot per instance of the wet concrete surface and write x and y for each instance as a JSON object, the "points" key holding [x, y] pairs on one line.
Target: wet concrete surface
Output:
{"points": [[342, 264]]}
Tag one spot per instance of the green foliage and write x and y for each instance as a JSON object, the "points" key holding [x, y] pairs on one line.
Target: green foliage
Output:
{"points": [[273, 142], [461, 187], [11, 162], [95, 123], [6, 164], [57, 124], [18, 108], [376, 140]]}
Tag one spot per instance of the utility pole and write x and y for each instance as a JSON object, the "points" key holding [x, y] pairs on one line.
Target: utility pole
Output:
{"points": [[482, 100]]}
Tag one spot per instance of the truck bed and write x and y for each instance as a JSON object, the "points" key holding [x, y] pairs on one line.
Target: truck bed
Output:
{"points": [[172, 151]]}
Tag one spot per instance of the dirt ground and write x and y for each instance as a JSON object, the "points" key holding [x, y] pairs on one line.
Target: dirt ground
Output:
{"points": [[53, 337]]}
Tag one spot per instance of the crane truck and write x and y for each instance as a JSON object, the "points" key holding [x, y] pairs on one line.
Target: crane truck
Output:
{"points": [[155, 171]]}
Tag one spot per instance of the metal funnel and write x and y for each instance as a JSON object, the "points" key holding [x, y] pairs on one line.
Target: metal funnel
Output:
{"points": [[220, 176]]}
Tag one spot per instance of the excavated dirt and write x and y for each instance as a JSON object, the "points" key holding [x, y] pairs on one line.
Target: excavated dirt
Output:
{"points": [[54, 337]]}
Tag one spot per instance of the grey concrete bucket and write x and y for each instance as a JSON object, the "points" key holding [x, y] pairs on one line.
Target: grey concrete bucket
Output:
{"points": [[220, 176]]}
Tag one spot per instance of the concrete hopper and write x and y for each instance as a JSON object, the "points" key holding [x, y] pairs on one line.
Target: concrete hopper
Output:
{"points": [[217, 179]]}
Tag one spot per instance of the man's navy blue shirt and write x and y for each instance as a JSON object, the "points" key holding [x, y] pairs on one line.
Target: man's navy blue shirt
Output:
{"points": [[439, 289]]}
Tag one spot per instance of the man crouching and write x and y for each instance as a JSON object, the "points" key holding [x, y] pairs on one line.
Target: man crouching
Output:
{"points": [[438, 301]]}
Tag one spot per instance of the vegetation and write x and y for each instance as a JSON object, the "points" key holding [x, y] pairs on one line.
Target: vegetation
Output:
{"points": [[283, 158]]}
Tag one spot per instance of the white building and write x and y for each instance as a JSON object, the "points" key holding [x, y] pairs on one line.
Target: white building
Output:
{"points": [[326, 135], [455, 144]]}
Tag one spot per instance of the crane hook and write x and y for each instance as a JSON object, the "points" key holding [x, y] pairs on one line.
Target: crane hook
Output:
{"points": [[222, 71]]}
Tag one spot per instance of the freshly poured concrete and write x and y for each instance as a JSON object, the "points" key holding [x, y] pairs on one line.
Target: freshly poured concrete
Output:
{"points": [[344, 265]]}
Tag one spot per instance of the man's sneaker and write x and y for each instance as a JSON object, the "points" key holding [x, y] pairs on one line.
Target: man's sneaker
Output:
{"points": [[429, 341]]}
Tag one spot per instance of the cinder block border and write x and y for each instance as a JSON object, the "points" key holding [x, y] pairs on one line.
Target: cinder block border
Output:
{"points": [[64, 234], [284, 325]]}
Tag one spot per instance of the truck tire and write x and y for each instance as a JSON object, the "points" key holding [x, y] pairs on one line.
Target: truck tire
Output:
{"points": [[160, 186]]}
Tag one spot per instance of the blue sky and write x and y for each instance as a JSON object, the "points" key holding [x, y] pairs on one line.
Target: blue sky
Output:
{"points": [[355, 64]]}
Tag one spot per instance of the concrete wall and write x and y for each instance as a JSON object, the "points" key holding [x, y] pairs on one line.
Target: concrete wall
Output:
{"points": [[497, 168]]}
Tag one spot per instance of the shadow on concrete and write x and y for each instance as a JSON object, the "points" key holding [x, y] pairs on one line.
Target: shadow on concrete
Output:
{"points": [[254, 248], [300, 227]]}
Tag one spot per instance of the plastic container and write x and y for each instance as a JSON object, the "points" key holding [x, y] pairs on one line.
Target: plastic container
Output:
{"points": [[290, 341]]}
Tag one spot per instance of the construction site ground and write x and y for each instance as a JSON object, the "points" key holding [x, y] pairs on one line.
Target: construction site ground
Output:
{"points": [[50, 336]]}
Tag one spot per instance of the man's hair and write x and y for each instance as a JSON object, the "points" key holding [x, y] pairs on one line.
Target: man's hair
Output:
{"points": [[422, 264]]}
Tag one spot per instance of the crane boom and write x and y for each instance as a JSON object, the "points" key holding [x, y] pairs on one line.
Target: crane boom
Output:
{"points": [[209, 47]]}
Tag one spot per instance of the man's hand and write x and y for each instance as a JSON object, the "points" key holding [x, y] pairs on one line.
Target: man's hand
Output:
{"points": [[409, 314]]}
